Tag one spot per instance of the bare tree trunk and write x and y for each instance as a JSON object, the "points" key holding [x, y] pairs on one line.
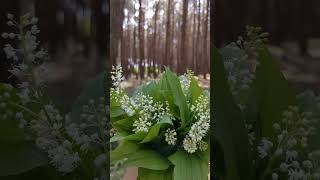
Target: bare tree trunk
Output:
{"points": [[171, 58], [206, 64], [198, 54], [134, 50], [141, 40], [168, 36], [100, 24], [155, 38], [124, 51], [194, 32], [116, 30], [183, 47]]}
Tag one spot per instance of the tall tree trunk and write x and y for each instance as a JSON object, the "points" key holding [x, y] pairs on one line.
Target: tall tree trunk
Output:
{"points": [[194, 33], [141, 41], [125, 41], [99, 31], [168, 32], [155, 38], [206, 63], [117, 16], [198, 54], [172, 62], [183, 47], [134, 51]]}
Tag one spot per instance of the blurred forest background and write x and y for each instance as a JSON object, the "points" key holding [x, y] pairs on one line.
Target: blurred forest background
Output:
{"points": [[294, 29], [76, 35], [147, 35]]}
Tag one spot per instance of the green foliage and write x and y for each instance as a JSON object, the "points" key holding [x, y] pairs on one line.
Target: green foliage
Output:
{"points": [[271, 92], [149, 151], [138, 156], [146, 174], [17, 154], [229, 128], [188, 166]]}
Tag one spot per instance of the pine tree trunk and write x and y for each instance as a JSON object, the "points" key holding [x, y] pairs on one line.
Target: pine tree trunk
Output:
{"points": [[183, 45], [141, 41]]}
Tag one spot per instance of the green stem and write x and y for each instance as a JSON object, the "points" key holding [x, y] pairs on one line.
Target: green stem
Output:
{"points": [[24, 109]]}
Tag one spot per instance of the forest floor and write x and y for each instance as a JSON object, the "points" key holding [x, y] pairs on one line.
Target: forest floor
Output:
{"points": [[302, 72]]}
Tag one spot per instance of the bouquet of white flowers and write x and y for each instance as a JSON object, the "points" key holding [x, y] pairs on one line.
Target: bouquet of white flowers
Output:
{"points": [[163, 127]]}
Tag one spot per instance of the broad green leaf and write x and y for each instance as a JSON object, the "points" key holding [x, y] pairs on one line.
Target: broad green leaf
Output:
{"points": [[124, 149], [152, 89], [228, 126], [118, 136], [136, 137], [155, 129], [271, 92], [195, 90], [116, 111], [146, 174], [152, 134], [94, 91], [149, 159], [17, 155], [178, 97], [139, 157], [123, 125], [166, 120], [189, 166], [167, 95]]}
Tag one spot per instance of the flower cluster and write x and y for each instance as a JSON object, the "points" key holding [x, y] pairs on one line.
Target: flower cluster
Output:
{"points": [[27, 54], [117, 94], [185, 81], [116, 76], [290, 146], [148, 111], [201, 127], [171, 136], [239, 69], [240, 61], [65, 140]]}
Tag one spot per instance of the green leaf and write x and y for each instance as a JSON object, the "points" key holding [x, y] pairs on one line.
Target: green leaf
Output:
{"points": [[17, 155], [155, 129], [195, 90], [189, 166], [152, 89], [123, 125], [166, 120], [136, 137], [271, 92], [122, 151], [116, 111], [139, 157], [94, 91], [152, 134], [229, 128], [179, 99], [146, 174], [167, 95]]}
